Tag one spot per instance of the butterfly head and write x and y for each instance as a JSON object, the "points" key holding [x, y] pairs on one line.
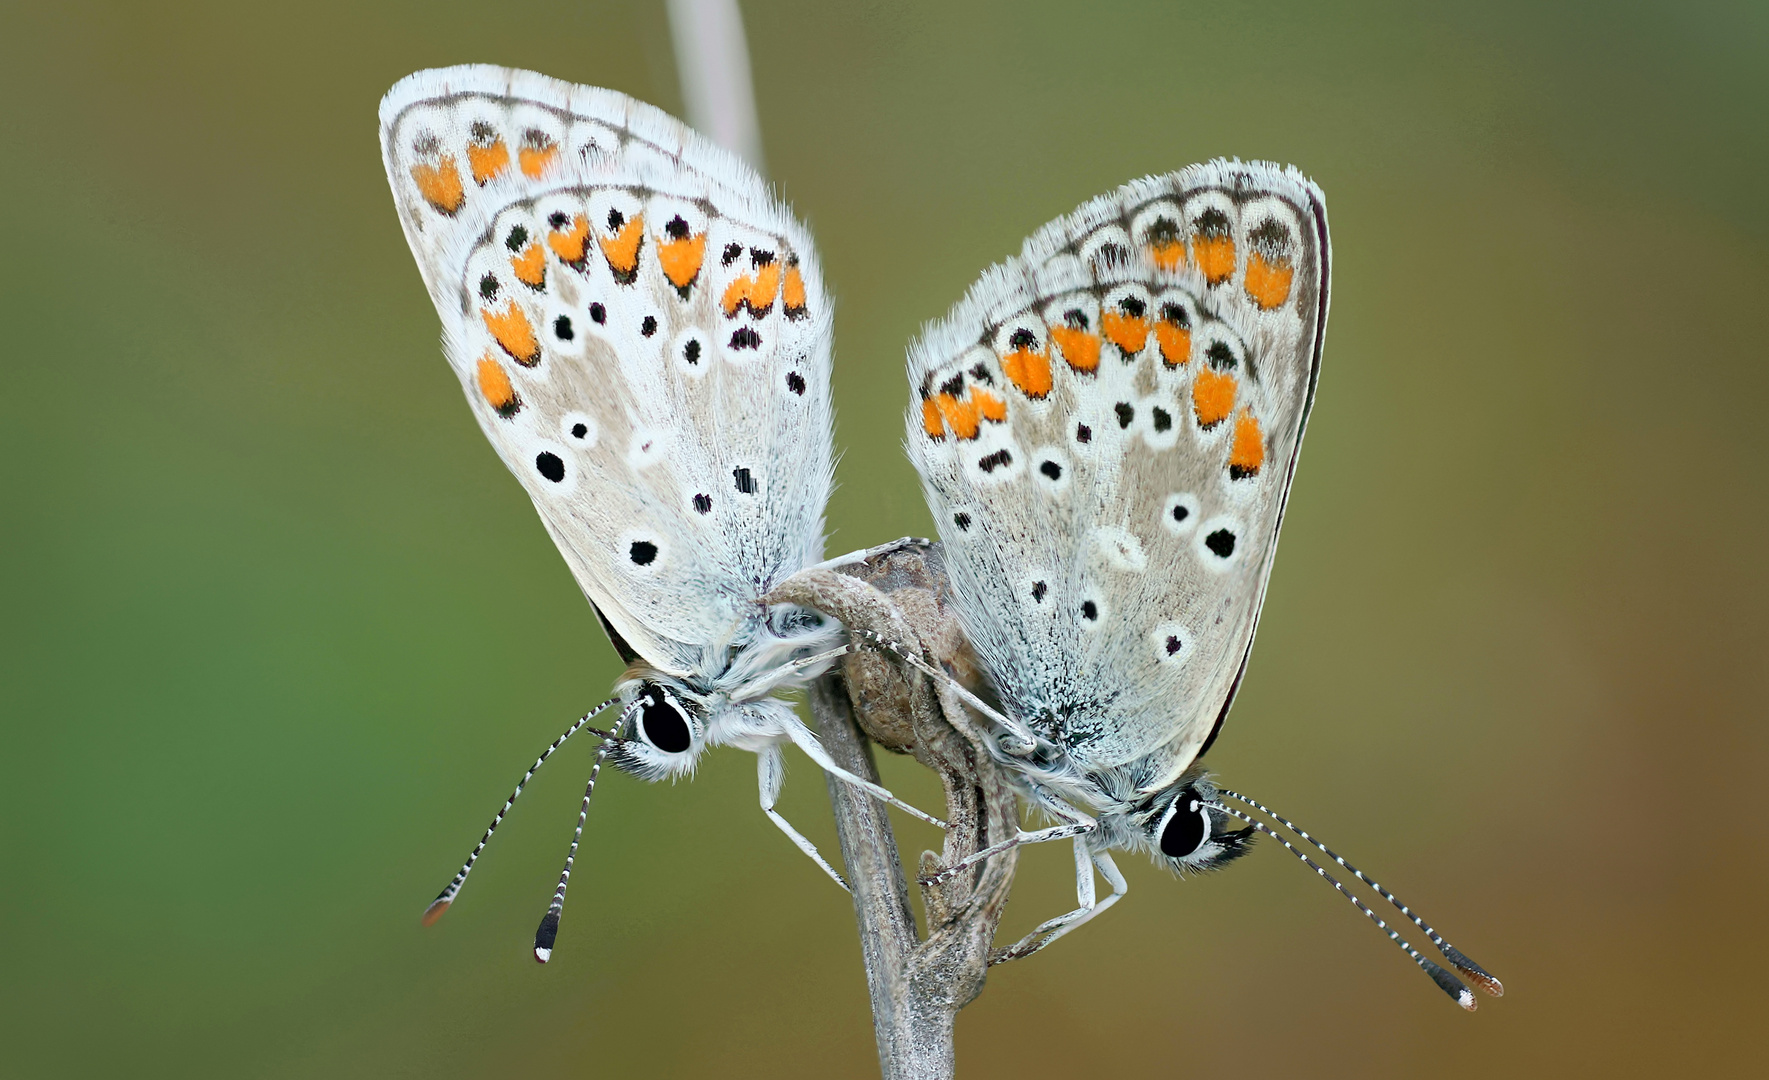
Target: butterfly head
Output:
{"points": [[1182, 829], [662, 728]]}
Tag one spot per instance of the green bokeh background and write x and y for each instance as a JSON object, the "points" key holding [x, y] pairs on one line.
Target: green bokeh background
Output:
{"points": [[280, 630]]}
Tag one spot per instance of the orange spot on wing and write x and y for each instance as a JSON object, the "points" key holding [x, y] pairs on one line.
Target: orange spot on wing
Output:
{"points": [[1028, 370], [1175, 342], [1247, 450], [1169, 254], [757, 292], [990, 406], [960, 415], [571, 244], [736, 294], [622, 249], [681, 259], [487, 161], [494, 384], [530, 267], [536, 154], [767, 285], [930, 419], [1213, 397], [1166, 246], [793, 292], [1080, 348], [1268, 283], [1215, 256], [440, 184], [1128, 332], [514, 333]]}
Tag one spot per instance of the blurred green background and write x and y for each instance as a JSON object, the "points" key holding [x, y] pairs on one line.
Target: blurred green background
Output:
{"points": [[260, 692]]}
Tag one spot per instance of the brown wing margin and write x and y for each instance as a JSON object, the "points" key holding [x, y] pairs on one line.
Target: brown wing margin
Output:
{"points": [[1318, 212]]}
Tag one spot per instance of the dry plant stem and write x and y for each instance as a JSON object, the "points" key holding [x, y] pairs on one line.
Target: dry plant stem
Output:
{"points": [[913, 1040], [917, 985]]}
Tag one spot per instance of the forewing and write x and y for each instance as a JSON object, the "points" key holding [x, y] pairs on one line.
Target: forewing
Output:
{"points": [[1106, 428], [642, 333]]}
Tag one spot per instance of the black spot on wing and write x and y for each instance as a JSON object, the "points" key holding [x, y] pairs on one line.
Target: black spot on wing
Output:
{"points": [[999, 459]]}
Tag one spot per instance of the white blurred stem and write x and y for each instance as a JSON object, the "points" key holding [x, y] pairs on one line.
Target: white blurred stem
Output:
{"points": [[712, 58]]}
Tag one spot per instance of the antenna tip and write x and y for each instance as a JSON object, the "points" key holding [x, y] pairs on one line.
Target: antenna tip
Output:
{"points": [[1484, 981], [436, 908], [1474, 972], [545, 935], [1450, 985]]}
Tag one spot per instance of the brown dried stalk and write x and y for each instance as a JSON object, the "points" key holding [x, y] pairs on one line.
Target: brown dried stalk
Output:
{"points": [[917, 982]]}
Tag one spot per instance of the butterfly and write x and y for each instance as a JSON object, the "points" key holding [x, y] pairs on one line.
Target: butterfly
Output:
{"points": [[1106, 430], [642, 333]]}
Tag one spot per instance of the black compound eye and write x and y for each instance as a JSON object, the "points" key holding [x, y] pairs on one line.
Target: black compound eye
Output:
{"points": [[662, 723], [1186, 827]]}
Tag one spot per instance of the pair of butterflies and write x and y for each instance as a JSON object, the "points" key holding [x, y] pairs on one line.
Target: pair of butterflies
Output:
{"points": [[1106, 429]]}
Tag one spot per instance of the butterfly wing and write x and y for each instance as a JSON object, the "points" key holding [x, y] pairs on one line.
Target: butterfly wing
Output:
{"points": [[641, 331], [1106, 429]]}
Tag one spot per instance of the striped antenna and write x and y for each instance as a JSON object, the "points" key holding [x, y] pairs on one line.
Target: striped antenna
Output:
{"points": [[1475, 973], [549, 928], [447, 897], [1450, 985]]}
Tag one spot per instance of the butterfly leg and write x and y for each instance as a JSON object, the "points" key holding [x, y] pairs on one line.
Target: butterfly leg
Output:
{"points": [[1036, 836], [1086, 861], [770, 772], [868, 554], [792, 672], [802, 737]]}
